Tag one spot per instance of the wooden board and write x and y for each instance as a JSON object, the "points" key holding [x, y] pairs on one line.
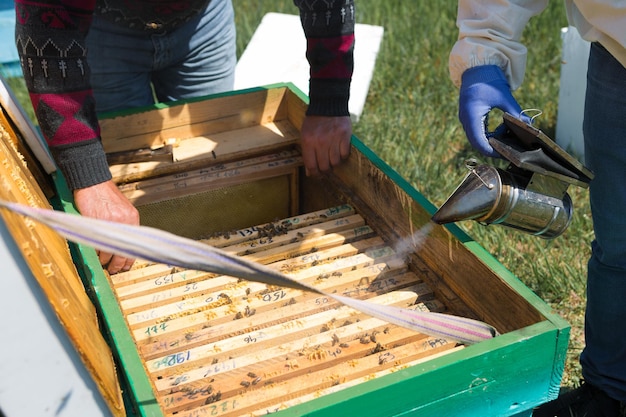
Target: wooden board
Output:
{"points": [[211, 177], [30, 158], [48, 256], [146, 128], [451, 266]]}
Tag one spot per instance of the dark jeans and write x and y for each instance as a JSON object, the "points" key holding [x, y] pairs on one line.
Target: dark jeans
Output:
{"points": [[196, 59], [604, 357]]}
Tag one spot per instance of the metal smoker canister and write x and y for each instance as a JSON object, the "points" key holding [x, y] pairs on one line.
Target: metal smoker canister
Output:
{"points": [[490, 195], [530, 195]]}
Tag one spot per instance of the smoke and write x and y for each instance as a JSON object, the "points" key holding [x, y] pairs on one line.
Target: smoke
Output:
{"points": [[414, 242]]}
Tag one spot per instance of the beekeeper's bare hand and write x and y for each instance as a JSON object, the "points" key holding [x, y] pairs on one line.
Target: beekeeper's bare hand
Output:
{"points": [[105, 201], [325, 142]]}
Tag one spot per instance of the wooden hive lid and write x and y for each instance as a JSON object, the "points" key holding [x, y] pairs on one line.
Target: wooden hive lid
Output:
{"points": [[24, 180]]}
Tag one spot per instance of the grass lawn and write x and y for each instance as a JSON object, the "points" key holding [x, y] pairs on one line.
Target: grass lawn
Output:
{"points": [[410, 121]]}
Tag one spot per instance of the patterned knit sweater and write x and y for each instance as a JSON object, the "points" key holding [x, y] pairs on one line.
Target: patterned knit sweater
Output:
{"points": [[50, 38]]}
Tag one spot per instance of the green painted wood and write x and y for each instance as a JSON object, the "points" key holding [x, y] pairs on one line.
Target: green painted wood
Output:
{"points": [[138, 394], [506, 376]]}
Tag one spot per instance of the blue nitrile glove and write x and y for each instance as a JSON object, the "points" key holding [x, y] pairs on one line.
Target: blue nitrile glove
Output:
{"points": [[484, 88]]}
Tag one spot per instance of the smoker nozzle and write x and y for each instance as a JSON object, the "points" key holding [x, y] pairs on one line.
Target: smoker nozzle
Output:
{"points": [[474, 199]]}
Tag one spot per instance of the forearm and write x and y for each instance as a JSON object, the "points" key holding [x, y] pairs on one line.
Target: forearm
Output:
{"points": [[50, 39], [329, 29], [489, 34]]}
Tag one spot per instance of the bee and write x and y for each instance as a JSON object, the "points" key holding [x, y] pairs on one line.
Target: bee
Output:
{"points": [[378, 348], [290, 302], [213, 398]]}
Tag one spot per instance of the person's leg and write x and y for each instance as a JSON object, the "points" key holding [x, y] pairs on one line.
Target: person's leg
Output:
{"points": [[604, 357], [121, 62], [198, 58]]}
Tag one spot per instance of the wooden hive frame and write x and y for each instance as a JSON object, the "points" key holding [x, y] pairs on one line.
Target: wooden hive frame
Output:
{"points": [[449, 272], [207, 339]]}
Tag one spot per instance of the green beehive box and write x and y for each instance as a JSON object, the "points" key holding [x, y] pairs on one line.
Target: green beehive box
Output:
{"points": [[227, 169]]}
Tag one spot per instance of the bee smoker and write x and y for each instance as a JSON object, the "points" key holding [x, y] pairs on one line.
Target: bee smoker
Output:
{"points": [[530, 195]]}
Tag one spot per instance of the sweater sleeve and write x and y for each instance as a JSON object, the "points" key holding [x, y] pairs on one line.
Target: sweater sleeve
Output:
{"points": [[329, 29], [50, 39], [489, 34]]}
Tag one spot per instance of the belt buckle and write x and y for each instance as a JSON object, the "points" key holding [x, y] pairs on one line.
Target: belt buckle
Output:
{"points": [[155, 27]]}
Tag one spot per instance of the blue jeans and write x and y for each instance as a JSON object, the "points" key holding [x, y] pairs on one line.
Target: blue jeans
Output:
{"points": [[196, 59], [604, 357]]}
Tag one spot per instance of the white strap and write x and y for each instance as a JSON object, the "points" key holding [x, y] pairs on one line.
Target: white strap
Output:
{"points": [[163, 247]]}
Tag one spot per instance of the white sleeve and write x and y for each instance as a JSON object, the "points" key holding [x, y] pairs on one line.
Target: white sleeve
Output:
{"points": [[489, 34]]}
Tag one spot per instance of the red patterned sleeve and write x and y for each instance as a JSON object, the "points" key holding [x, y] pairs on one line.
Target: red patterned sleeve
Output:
{"points": [[329, 29], [50, 38]]}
